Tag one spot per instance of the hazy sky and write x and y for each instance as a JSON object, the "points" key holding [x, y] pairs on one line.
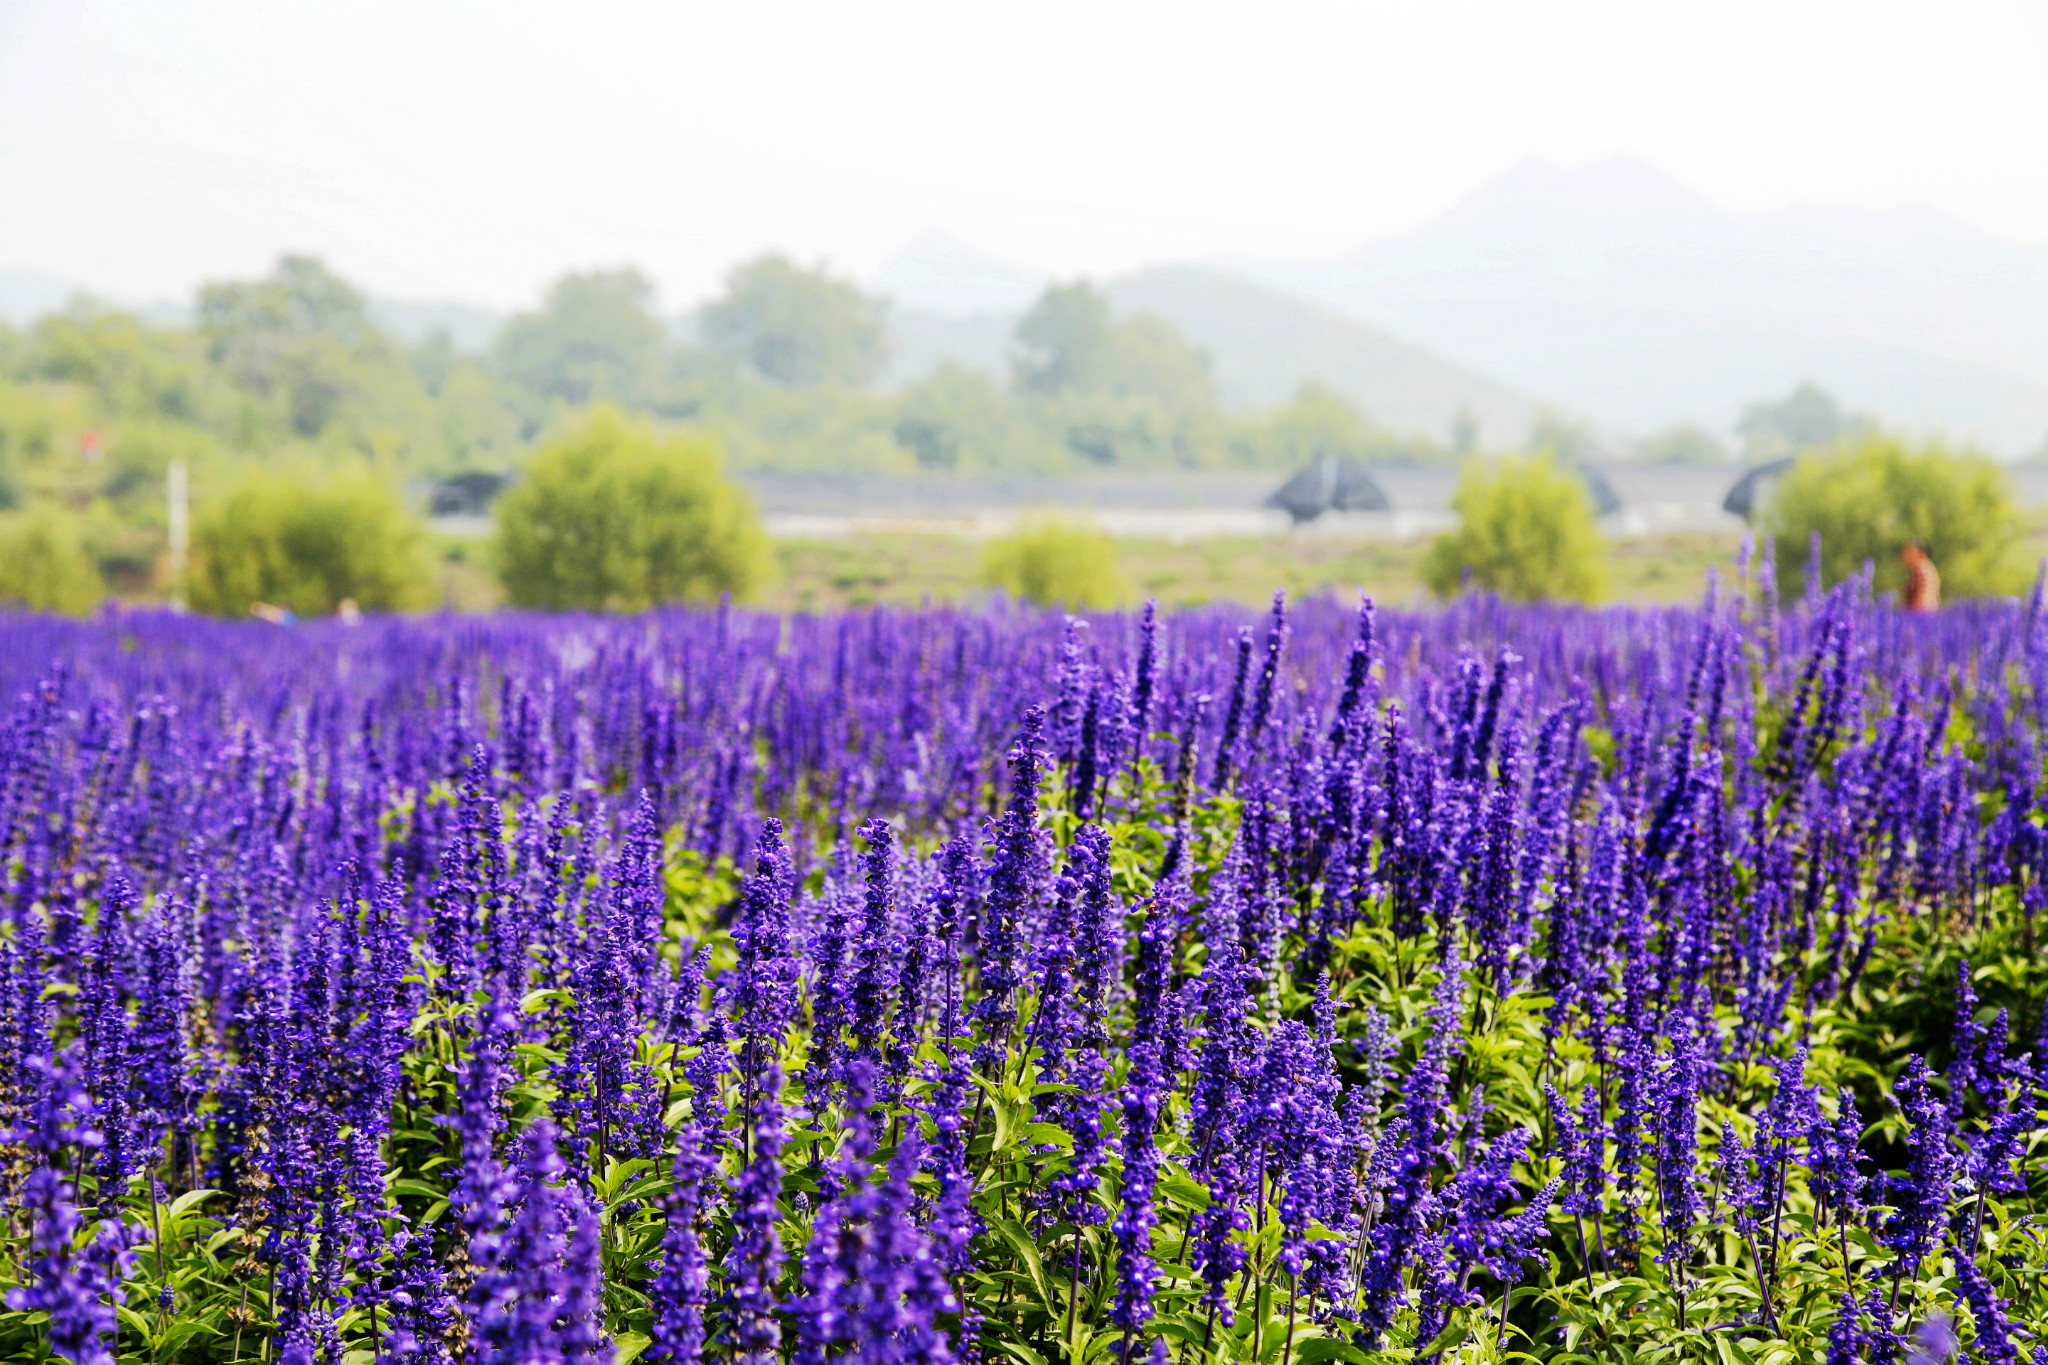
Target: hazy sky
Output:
{"points": [[474, 151]]}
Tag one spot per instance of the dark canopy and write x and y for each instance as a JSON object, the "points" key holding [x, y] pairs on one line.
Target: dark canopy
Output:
{"points": [[468, 494], [1606, 502], [1744, 498], [1329, 484]]}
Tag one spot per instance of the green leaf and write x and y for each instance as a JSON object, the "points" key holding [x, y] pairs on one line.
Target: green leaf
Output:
{"points": [[1316, 1349], [627, 1346], [1006, 1125], [1453, 1334], [1011, 1231], [180, 1331], [417, 1188], [1183, 1191], [186, 1201]]}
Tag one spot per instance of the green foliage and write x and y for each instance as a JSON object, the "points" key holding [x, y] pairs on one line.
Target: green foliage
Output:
{"points": [[127, 366], [44, 565], [1568, 438], [309, 544], [594, 338], [1319, 423], [957, 420], [1130, 392], [1055, 563], [1153, 361], [1108, 430], [1525, 532], [1683, 444], [611, 516], [1065, 343], [1805, 419], [1069, 344], [1610, 1284], [1870, 495], [795, 326], [303, 341], [826, 430]]}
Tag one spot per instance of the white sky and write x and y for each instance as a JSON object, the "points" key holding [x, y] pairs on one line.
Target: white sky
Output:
{"points": [[474, 151]]}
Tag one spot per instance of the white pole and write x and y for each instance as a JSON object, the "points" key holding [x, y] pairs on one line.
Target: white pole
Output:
{"points": [[180, 490]]}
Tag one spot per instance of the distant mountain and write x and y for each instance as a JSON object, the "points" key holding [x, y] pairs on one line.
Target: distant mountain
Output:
{"points": [[943, 275], [1264, 345], [1621, 292]]}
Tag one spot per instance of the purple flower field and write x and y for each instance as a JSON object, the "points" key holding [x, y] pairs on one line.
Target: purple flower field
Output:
{"points": [[1002, 987]]}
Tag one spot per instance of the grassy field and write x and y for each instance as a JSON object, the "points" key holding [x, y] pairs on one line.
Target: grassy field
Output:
{"points": [[903, 570], [821, 575]]}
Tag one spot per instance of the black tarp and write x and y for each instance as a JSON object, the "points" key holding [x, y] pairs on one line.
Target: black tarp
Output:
{"points": [[1747, 494], [1330, 484]]}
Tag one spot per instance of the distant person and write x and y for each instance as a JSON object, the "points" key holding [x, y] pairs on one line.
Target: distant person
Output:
{"points": [[1923, 582], [276, 615]]}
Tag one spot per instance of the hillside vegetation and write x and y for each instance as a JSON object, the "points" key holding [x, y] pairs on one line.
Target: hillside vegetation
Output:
{"points": [[292, 372]]}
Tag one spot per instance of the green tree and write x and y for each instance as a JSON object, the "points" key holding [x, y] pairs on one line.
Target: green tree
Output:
{"points": [[1805, 419], [595, 338], [1319, 423], [795, 326], [611, 516], [1069, 344], [957, 419], [44, 565], [130, 368], [1055, 563], [1525, 531], [1133, 432], [1066, 343], [1685, 443], [303, 340], [1129, 392], [308, 544], [1570, 439], [1154, 361], [1871, 495]]}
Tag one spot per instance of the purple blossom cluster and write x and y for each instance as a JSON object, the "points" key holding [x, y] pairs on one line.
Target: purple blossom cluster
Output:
{"points": [[939, 986]]}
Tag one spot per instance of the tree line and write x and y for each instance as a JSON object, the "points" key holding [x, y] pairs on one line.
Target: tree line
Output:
{"points": [[289, 380], [307, 431]]}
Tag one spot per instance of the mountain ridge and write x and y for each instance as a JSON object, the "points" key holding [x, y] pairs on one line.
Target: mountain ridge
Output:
{"points": [[1550, 277]]}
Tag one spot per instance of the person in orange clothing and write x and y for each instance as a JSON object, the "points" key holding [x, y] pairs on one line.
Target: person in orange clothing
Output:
{"points": [[1923, 581]]}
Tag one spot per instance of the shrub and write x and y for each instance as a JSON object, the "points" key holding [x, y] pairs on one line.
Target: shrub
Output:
{"points": [[1525, 531], [611, 516], [1049, 562], [1869, 495], [44, 566], [309, 544]]}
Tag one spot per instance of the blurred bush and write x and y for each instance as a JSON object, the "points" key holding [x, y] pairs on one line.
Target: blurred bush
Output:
{"points": [[44, 565], [1870, 494], [611, 516], [308, 544], [1525, 531], [1055, 563]]}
